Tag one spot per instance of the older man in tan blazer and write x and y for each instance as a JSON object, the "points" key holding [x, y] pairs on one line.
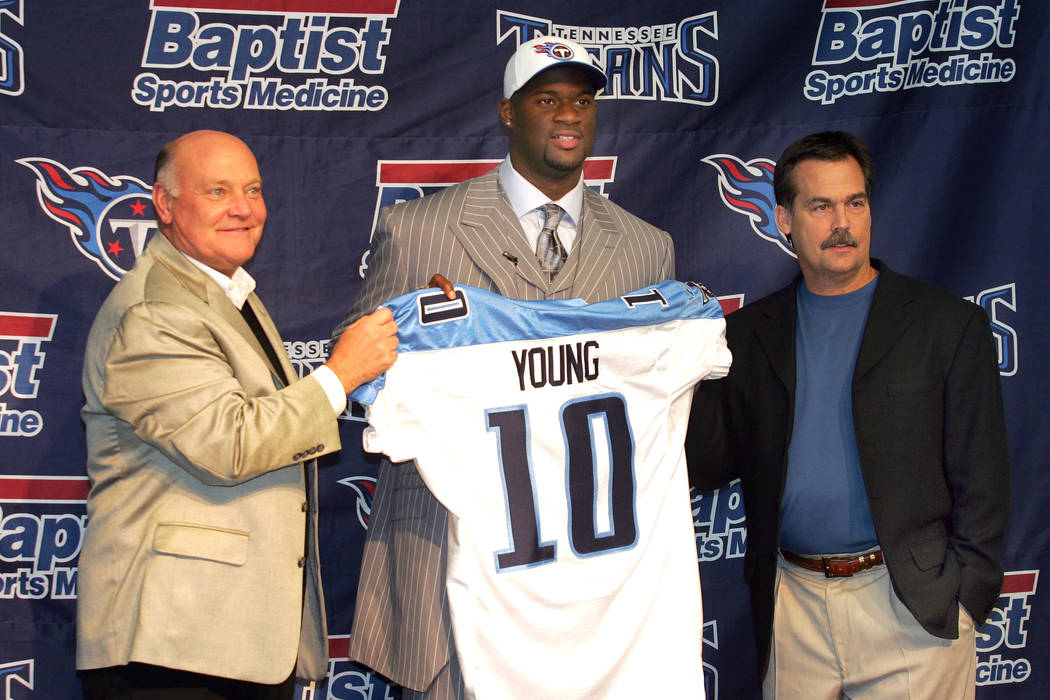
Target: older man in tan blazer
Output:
{"points": [[199, 575]]}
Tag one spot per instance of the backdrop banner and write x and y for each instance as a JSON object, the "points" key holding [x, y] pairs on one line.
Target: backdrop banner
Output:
{"points": [[351, 105]]}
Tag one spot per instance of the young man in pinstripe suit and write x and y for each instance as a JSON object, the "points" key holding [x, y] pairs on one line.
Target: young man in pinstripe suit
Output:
{"points": [[484, 232]]}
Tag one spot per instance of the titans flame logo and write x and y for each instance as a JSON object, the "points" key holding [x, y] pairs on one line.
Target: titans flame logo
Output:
{"points": [[109, 219], [554, 50], [365, 486], [747, 188]]}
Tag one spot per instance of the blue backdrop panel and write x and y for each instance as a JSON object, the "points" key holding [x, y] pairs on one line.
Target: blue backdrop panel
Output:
{"points": [[352, 104]]}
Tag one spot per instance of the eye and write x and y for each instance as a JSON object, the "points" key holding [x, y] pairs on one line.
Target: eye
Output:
{"points": [[255, 191], [216, 192]]}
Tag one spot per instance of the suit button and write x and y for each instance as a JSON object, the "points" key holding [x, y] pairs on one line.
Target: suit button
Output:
{"points": [[305, 506], [302, 562]]}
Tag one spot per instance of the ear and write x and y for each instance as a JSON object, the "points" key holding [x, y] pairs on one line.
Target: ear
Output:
{"points": [[162, 204], [783, 219], [506, 112]]}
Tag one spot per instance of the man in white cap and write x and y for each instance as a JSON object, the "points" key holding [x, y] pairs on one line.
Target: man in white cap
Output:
{"points": [[529, 229]]}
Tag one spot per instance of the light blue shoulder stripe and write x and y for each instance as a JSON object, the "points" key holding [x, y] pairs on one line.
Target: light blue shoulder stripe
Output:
{"points": [[427, 320]]}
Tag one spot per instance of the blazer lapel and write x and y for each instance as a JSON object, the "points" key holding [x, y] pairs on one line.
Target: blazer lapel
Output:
{"points": [[209, 293], [887, 320], [777, 335]]}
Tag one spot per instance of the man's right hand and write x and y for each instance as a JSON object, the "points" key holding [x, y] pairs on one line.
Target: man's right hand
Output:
{"points": [[366, 349]]}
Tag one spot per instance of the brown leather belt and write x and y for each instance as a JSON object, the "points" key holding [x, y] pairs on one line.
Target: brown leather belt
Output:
{"points": [[835, 567]]}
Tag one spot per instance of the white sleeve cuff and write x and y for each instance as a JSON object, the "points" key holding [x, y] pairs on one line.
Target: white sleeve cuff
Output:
{"points": [[333, 388]]}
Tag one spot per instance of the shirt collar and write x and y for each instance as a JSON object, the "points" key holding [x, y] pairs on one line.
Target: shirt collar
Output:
{"points": [[524, 196], [236, 288]]}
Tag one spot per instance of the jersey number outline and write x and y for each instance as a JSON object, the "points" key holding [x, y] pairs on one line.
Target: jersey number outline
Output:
{"points": [[581, 481]]}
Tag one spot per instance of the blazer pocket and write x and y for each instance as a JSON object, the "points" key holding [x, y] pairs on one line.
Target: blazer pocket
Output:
{"points": [[202, 542], [929, 554], [916, 386]]}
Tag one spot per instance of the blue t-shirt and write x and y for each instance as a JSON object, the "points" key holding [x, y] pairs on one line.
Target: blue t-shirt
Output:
{"points": [[825, 506]]}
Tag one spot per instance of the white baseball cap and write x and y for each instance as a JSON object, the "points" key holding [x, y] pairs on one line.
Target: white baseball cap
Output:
{"points": [[543, 52]]}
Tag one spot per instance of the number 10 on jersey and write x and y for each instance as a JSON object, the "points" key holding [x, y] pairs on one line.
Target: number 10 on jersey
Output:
{"points": [[578, 420]]}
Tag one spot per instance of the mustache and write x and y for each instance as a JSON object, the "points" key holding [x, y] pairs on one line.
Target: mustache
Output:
{"points": [[839, 236]]}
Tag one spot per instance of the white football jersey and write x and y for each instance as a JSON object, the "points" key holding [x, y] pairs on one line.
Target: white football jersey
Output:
{"points": [[553, 433]]}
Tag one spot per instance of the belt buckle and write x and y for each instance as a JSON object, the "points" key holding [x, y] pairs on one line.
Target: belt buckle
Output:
{"points": [[826, 563]]}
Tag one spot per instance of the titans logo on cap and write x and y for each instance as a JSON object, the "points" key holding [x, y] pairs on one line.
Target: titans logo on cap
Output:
{"points": [[555, 50]]}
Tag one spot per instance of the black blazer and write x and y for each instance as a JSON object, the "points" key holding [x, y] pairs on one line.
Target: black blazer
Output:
{"points": [[928, 414]]}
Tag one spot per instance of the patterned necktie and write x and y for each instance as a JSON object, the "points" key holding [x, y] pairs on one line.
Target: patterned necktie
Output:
{"points": [[549, 250]]}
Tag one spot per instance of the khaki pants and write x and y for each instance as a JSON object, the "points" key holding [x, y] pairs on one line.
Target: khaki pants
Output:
{"points": [[852, 638]]}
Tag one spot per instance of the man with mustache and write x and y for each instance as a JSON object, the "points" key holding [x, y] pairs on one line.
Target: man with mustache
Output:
{"points": [[863, 415]]}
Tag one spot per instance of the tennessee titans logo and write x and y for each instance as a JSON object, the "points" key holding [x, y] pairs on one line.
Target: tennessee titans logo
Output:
{"points": [[20, 671], [555, 50], [108, 218], [365, 486], [747, 188]]}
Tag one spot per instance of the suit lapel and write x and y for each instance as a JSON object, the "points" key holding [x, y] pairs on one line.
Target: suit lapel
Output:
{"points": [[887, 320], [597, 239], [491, 234]]}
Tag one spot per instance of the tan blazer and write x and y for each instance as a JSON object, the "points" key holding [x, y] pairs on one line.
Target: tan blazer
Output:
{"points": [[469, 233], [200, 527]]}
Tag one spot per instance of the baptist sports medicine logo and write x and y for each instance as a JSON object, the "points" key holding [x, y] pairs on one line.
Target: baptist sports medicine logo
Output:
{"points": [[11, 68], [109, 218], [1005, 634], [20, 672], [41, 530], [893, 45], [18, 368], [719, 523], [318, 38]]}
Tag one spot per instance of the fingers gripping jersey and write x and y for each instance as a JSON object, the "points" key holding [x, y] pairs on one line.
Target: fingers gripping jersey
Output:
{"points": [[552, 432]]}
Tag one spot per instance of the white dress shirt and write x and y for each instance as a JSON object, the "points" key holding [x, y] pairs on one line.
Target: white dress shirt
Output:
{"points": [[237, 288], [527, 202]]}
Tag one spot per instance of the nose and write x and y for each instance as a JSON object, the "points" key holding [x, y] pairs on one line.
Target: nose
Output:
{"points": [[841, 217], [240, 206], [566, 113]]}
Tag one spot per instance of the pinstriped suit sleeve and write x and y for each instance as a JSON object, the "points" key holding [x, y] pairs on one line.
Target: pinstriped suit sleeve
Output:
{"points": [[386, 277]]}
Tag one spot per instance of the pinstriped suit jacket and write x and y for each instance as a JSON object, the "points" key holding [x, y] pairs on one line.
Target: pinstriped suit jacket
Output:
{"points": [[401, 624]]}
